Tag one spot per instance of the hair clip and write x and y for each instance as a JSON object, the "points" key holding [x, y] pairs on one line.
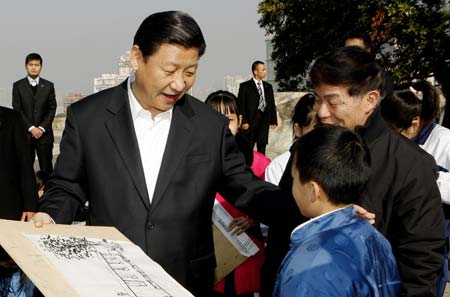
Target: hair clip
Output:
{"points": [[418, 94]]}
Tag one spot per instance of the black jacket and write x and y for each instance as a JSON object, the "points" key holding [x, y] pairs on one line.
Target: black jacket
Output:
{"points": [[403, 194], [17, 181], [36, 109], [100, 162], [248, 100]]}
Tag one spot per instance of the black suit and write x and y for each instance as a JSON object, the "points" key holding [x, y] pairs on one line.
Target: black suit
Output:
{"points": [[248, 101], [38, 107], [17, 181], [100, 162]]}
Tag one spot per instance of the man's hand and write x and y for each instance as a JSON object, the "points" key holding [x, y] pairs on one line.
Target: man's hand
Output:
{"points": [[26, 216], [36, 132], [273, 126], [245, 126], [364, 214], [240, 224], [40, 219]]}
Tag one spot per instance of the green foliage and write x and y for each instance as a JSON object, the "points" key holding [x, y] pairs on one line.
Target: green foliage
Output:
{"points": [[408, 37]]}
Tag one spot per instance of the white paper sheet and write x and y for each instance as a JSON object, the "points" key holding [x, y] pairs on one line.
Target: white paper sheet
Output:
{"points": [[243, 243], [107, 268]]}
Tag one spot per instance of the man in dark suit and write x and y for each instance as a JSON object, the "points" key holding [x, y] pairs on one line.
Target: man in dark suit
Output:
{"points": [[34, 98], [257, 106], [17, 182], [149, 158]]}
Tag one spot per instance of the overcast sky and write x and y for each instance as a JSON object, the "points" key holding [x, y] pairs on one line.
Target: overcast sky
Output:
{"points": [[81, 39]]}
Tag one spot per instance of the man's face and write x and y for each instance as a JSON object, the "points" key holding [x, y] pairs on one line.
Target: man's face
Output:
{"points": [[334, 106], [165, 77], [33, 68], [260, 71]]}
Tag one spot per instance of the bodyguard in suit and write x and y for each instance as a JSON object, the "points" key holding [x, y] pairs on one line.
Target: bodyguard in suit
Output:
{"points": [[257, 106], [149, 158], [34, 98], [18, 196]]}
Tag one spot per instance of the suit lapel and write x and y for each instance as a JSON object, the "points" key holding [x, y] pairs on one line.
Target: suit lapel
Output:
{"points": [[40, 87], [27, 87], [180, 134], [121, 129]]}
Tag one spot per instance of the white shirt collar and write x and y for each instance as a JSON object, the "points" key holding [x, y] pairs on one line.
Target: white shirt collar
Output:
{"points": [[316, 218], [136, 107], [256, 81], [30, 80]]}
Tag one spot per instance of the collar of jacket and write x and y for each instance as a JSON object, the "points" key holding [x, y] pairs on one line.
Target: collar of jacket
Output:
{"points": [[375, 127]]}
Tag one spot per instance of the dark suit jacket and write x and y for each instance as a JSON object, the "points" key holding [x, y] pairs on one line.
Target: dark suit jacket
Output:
{"points": [[248, 100], [37, 110], [100, 162], [18, 191]]}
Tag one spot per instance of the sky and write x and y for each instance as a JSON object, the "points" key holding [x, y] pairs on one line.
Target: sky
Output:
{"points": [[79, 40]]}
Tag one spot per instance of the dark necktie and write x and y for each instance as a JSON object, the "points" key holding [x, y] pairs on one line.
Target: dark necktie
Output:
{"points": [[262, 101]]}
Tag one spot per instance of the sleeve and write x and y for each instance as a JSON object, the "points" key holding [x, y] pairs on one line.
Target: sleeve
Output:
{"points": [[417, 230], [273, 114], [242, 103], [50, 114], [27, 178], [65, 192], [17, 105], [443, 182]]}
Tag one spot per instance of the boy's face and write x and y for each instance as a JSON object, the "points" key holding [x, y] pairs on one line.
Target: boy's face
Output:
{"points": [[302, 192]]}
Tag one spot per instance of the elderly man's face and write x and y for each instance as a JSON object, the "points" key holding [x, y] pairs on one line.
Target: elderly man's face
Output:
{"points": [[334, 106]]}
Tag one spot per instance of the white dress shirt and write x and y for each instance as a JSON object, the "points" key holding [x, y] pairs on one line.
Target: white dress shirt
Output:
{"points": [[151, 136], [262, 86]]}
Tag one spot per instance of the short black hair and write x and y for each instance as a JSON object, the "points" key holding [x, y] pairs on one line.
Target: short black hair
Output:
{"points": [[172, 27], [255, 64], [303, 109], [223, 101], [335, 158], [400, 108], [349, 66], [32, 57], [359, 34]]}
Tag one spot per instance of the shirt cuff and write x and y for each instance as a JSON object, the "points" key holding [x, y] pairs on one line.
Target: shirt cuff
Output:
{"points": [[31, 128], [42, 128]]}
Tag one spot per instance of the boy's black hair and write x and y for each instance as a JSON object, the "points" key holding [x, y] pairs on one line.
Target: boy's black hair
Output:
{"points": [[335, 158]]}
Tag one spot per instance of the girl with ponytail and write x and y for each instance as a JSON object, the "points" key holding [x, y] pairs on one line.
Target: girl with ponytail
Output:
{"points": [[412, 112]]}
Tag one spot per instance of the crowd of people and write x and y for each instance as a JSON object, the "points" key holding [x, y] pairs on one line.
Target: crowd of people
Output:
{"points": [[356, 207]]}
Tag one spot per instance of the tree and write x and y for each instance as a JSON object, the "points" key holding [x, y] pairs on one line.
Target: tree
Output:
{"points": [[408, 37]]}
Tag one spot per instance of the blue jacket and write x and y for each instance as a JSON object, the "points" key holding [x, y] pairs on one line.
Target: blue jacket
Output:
{"points": [[338, 254]]}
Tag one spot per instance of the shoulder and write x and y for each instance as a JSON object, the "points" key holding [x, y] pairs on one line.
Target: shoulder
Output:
{"points": [[9, 113], [246, 83], [19, 82], [404, 150], [202, 110], [266, 84], [46, 82], [99, 99]]}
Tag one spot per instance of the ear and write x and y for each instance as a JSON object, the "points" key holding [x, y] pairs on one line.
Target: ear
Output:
{"points": [[315, 192], [371, 99], [415, 125], [135, 57]]}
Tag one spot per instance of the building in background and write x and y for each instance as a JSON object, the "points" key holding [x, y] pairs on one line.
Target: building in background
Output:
{"points": [[232, 83], [270, 65], [109, 80], [71, 98]]}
